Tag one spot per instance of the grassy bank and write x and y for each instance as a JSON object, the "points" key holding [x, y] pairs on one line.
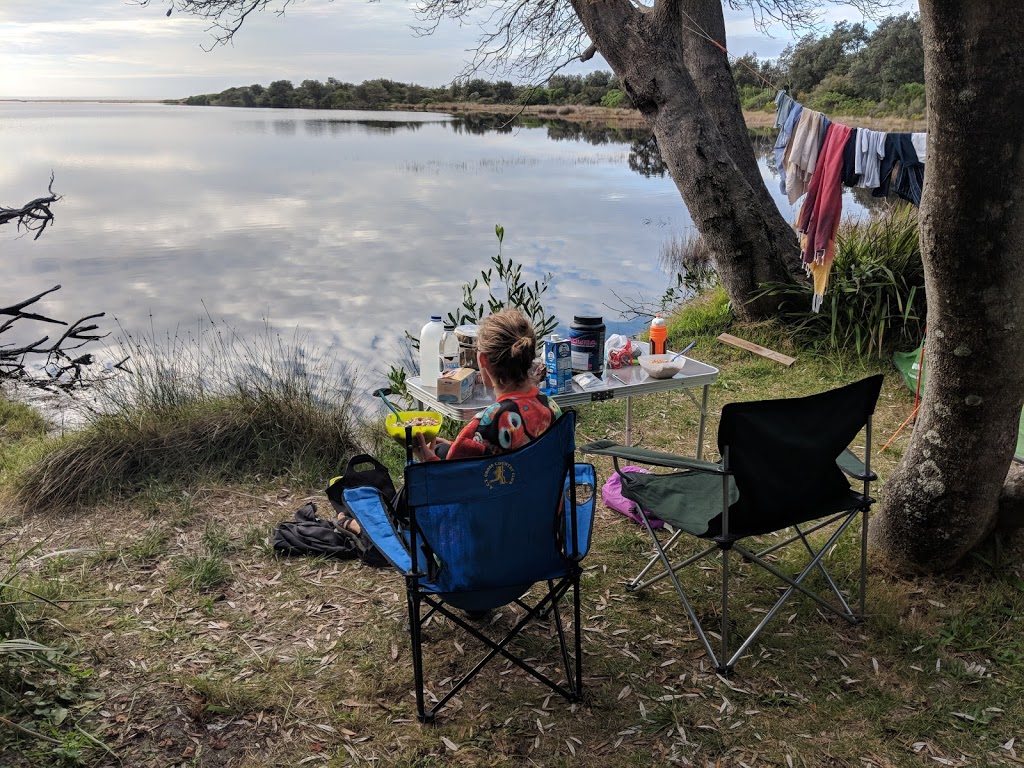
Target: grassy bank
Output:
{"points": [[191, 643]]}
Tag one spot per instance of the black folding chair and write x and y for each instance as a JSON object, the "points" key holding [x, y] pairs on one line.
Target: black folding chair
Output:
{"points": [[782, 466]]}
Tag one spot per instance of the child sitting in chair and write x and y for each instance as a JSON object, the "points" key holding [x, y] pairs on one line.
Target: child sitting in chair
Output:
{"points": [[506, 348]]}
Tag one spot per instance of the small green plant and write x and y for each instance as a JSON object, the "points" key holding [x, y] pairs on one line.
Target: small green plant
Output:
{"points": [[201, 571], [506, 289]]}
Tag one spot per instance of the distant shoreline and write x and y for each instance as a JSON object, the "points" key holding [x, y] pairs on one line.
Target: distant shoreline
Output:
{"points": [[630, 118]]}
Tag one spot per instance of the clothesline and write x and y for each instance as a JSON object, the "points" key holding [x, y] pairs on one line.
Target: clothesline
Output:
{"points": [[817, 157]]}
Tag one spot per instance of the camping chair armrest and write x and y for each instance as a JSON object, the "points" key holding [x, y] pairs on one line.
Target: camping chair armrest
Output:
{"points": [[644, 456], [586, 478], [371, 511], [851, 464]]}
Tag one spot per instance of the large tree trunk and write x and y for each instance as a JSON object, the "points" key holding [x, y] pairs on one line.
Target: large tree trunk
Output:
{"points": [[943, 498], [680, 83]]}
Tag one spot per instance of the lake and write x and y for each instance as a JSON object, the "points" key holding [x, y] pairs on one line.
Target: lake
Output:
{"points": [[348, 228]]}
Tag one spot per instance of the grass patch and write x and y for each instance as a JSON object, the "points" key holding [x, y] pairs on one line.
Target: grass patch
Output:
{"points": [[200, 572], [208, 406]]}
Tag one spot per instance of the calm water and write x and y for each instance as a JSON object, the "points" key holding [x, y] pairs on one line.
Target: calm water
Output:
{"points": [[348, 227]]}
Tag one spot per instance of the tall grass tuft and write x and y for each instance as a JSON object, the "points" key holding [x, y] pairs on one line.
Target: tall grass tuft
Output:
{"points": [[875, 298], [688, 256], [207, 405]]}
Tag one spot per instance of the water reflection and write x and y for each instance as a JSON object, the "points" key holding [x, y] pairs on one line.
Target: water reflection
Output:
{"points": [[351, 227]]}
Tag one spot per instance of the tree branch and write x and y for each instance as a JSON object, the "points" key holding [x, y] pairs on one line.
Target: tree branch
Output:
{"points": [[34, 216]]}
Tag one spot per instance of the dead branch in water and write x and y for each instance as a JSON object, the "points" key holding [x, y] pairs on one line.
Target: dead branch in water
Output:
{"points": [[34, 216], [59, 362]]}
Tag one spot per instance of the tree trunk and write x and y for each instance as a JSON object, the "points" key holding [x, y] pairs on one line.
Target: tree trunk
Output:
{"points": [[680, 83], [943, 498]]}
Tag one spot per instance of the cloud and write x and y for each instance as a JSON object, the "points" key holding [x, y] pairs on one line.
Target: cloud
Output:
{"points": [[114, 48]]}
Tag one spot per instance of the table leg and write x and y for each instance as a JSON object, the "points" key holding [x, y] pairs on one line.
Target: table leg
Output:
{"points": [[703, 418], [629, 421]]}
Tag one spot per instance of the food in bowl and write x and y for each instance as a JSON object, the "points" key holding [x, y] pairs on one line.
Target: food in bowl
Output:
{"points": [[418, 421], [661, 366], [426, 423]]}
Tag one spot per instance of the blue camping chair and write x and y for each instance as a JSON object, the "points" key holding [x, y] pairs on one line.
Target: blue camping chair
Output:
{"points": [[481, 533]]}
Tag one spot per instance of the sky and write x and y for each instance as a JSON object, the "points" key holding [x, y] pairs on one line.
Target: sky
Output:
{"points": [[118, 49]]}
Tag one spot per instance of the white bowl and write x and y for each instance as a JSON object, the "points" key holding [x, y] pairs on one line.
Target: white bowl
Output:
{"points": [[660, 367]]}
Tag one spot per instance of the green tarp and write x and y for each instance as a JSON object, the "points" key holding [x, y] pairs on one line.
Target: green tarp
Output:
{"points": [[912, 365]]}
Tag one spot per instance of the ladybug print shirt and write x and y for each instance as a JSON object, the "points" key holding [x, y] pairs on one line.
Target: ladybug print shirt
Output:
{"points": [[512, 422]]}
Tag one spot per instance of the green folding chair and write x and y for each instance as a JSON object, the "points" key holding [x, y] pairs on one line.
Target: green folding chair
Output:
{"points": [[784, 466]]}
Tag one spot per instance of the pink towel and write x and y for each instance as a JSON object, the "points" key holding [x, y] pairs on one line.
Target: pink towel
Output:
{"points": [[822, 210]]}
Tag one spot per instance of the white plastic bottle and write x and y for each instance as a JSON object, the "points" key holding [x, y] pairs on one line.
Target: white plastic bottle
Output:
{"points": [[430, 347], [449, 349]]}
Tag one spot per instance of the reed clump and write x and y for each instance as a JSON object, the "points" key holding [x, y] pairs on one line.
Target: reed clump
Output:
{"points": [[875, 298], [203, 406]]}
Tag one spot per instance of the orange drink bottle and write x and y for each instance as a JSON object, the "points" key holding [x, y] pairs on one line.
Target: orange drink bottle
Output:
{"points": [[659, 335]]}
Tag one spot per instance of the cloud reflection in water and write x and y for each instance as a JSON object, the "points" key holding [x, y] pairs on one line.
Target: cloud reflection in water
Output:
{"points": [[351, 227]]}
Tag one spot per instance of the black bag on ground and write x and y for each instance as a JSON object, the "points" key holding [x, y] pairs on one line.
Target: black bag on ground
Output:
{"points": [[309, 534]]}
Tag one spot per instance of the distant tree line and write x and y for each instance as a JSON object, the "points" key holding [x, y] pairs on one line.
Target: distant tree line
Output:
{"points": [[596, 88], [849, 71]]}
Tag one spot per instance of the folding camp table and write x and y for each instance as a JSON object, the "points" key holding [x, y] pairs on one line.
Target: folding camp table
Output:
{"points": [[617, 383]]}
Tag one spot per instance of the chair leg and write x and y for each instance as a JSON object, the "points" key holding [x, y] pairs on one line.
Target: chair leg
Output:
{"points": [[724, 666], [578, 632], [560, 630], [863, 562], [825, 574], [794, 586], [635, 585], [498, 647], [413, 601]]}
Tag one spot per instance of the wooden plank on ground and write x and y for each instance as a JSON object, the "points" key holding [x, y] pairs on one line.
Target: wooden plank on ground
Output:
{"points": [[757, 349]]}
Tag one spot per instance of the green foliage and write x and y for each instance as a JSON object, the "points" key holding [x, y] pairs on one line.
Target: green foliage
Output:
{"points": [[42, 693], [614, 99], [19, 424], [812, 59], [893, 57], [506, 289], [848, 71], [592, 89], [707, 314], [875, 297], [201, 571]]}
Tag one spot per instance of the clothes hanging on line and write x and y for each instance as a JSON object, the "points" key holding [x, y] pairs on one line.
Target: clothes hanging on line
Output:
{"points": [[785, 104], [870, 151], [802, 154], [920, 142], [782, 141], [849, 175], [822, 210], [854, 157], [899, 152]]}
